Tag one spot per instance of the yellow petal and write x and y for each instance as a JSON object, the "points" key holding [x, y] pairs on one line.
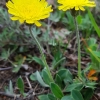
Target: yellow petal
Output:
{"points": [[77, 4], [37, 23], [29, 11], [82, 8], [21, 20], [76, 8], [30, 21], [14, 18]]}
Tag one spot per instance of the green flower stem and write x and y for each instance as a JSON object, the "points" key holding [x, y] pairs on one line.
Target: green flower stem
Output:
{"points": [[42, 54], [79, 50]]}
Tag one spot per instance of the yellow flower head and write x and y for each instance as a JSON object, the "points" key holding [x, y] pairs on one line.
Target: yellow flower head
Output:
{"points": [[29, 11], [76, 4]]}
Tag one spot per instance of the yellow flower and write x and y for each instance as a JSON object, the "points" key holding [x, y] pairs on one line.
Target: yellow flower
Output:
{"points": [[29, 11], [76, 4]]}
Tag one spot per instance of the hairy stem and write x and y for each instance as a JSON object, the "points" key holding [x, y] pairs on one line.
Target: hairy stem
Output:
{"points": [[42, 54], [79, 50]]}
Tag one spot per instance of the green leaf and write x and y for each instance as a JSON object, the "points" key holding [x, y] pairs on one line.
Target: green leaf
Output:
{"points": [[11, 87], [36, 31], [56, 90], [43, 97], [79, 19], [91, 84], [51, 97], [76, 95], [97, 53], [93, 54], [69, 97], [56, 63], [40, 80], [65, 75], [58, 80], [20, 85], [93, 22], [38, 60], [46, 77], [33, 77], [91, 41], [9, 90], [16, 69], [55, 17], [52, 42], [73, 86], [88, 94], [70, 20], [5, 54]]}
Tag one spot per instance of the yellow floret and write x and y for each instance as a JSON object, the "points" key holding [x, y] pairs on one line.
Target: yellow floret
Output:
{"points": [[76, 4], [29, 11]]}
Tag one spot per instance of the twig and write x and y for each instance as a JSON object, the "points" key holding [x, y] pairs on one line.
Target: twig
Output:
{"points": [[43, 92], [95, 97], [28, 82], [8, 95], [3, 69]]}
